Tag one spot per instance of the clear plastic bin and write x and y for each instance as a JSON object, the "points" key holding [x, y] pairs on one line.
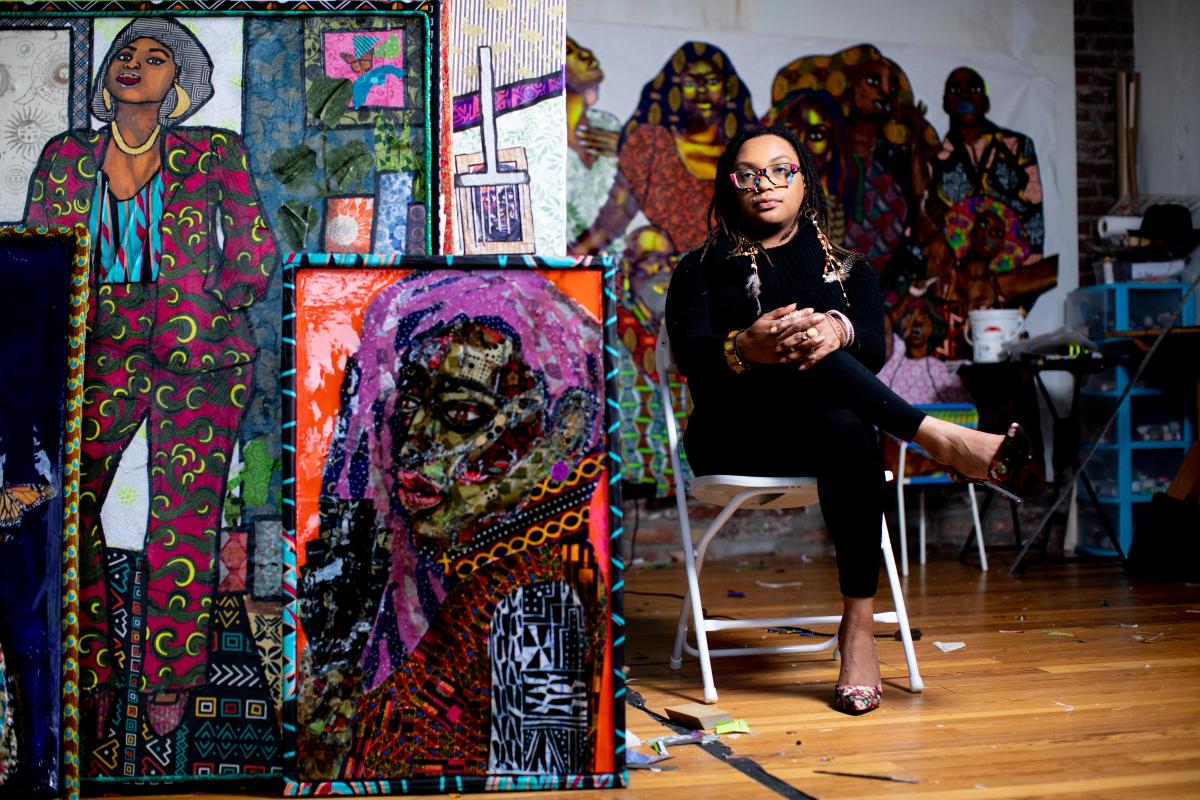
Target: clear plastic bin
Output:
{"points": [[1093, 413], [1156, 418], [1104, 381], [1102, 472], [1152, 470], [1126, 307]]}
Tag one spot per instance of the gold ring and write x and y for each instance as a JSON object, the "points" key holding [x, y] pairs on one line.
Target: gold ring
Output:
{"points": [[811, 333]]}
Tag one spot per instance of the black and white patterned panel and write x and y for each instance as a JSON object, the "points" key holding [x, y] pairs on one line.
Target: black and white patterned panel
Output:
{"points": [[539, 683]]}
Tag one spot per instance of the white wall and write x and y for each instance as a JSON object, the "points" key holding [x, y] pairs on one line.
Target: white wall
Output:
{"points": [[1166, 38], [1038, 33]]}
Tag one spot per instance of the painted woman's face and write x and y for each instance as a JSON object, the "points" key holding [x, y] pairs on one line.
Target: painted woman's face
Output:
{"points": [[703, 91], [918, 327], [583, 70], [141, 72], [987, 235], [466, 423], [876, 90], [815, 129], [966, 99]]}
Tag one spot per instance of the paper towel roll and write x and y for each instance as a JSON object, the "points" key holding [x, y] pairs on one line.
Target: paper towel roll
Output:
{"points": [[1114, 226]]}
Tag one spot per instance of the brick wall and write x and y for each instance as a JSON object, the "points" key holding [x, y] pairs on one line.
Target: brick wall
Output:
{"points": [[1103, 45]]}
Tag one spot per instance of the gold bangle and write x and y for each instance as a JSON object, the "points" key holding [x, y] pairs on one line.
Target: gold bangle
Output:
{"points": [[732, 357]]}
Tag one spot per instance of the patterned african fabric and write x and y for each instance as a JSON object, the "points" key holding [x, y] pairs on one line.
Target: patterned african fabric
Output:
{"points": [[921, 380], [651, 164], [645, 456], [128, 232], [882, 227], [8, 732], [1001, 165]]}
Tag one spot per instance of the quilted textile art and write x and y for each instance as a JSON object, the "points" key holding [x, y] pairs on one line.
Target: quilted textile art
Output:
{"points": [[43, 304], [454, 559]]}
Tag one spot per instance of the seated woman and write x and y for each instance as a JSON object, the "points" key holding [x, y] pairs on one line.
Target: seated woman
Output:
{"points": [[779, 333]]}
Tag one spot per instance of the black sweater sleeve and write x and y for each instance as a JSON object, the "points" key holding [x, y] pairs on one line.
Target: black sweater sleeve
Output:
{"points": [[698, 346], [866, 312]]}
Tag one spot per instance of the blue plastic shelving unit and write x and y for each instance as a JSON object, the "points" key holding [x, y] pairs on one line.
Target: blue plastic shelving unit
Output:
{"points": [[1114, 472]]}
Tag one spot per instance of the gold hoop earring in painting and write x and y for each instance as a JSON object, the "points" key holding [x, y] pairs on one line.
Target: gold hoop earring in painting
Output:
{"points": [[107, 99], [182, 103]]}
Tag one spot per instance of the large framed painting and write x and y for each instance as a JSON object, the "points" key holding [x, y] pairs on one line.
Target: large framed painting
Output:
{"points": [[196, 143], [43, 308], [453, 562]]}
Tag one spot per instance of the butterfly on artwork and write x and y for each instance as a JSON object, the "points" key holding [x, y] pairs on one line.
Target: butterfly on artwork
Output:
{"points": [[17, 499], [366, 48]]}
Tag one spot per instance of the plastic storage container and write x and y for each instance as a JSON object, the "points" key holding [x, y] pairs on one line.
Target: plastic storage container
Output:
{"points": [[1126, 307]]}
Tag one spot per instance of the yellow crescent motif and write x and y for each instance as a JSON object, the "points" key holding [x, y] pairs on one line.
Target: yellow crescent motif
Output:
{"points": [[191, 570], [158, 645], [158, 395], [171, 156], [207, 437], [191, 323], [201, 164], [236, 393], [58, 180], [177, 599], [172, 295], [82, 205], [82, 170], [188, 398], [199, 648]]}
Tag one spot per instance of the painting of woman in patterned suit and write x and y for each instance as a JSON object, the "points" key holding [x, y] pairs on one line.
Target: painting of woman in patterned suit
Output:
{"points": [[182, 250]]}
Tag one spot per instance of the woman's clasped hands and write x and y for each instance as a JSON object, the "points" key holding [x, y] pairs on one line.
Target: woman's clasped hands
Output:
{"points": [[790, 335]]}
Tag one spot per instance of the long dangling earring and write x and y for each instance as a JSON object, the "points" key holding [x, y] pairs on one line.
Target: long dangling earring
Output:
{"points": [[107, 99], [834, 270], [182, 103]]}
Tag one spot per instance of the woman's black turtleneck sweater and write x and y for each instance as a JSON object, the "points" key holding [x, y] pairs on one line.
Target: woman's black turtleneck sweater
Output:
{"points": [[707, 299]]}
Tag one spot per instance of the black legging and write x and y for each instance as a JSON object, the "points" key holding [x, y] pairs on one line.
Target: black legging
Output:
{"points": [[819, 422]]}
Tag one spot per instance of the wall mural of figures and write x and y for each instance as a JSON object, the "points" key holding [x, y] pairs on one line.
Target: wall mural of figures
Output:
{"points": [[197, 149], [43, 302], [932, 170], [506, 78], [455, 612]]}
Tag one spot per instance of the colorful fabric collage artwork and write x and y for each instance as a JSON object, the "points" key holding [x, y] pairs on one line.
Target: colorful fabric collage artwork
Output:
{"points": [[456, 595], [279, 132], [43, 304]]}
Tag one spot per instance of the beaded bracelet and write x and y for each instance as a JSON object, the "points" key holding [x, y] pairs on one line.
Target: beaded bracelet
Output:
{"points": [[844, 321], [733, 356]]}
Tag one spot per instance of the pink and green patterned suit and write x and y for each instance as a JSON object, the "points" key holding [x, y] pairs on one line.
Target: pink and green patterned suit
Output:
{"points": [[176, 352]]}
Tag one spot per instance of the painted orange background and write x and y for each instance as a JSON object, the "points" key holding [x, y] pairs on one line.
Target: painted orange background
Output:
{"points": [[330, 305]]}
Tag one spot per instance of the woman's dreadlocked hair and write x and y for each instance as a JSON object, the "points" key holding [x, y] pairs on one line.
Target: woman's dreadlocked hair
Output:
{"points": [[725, 226]]}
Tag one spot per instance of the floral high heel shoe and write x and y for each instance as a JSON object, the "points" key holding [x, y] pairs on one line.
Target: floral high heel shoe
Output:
{"points": [[856, 700], [1011, 457]]}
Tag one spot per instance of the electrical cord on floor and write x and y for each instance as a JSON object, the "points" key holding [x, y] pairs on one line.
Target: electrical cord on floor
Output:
{"points": [[1137, 375]]}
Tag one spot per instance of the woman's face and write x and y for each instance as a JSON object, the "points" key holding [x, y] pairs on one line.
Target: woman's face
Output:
{"points": [[141, 72], [467, 418], [987, 236], [918, 327], [876, 90], [815, 129], [703, 91], [769, 205]]}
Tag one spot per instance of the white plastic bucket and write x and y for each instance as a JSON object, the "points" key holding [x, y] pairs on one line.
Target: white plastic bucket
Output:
{"points": [[990, 330]]}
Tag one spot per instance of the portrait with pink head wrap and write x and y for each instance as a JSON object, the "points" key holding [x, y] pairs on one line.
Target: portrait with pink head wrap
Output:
{"points": [[464, 417]]}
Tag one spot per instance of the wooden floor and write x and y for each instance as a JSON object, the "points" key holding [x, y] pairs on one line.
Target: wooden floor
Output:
{"points": [[1056, 693]]}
